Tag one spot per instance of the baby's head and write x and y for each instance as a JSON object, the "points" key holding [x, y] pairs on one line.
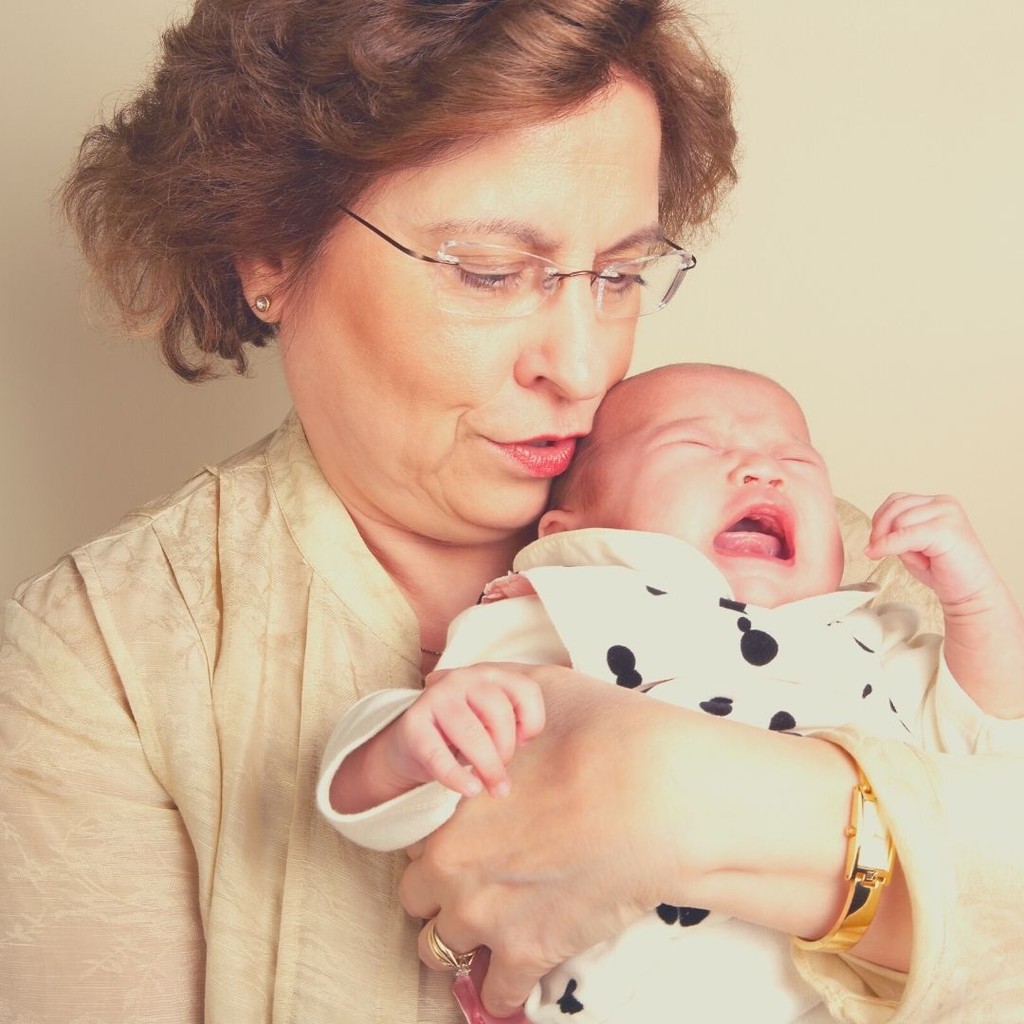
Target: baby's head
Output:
{"points": [[718, 457]]}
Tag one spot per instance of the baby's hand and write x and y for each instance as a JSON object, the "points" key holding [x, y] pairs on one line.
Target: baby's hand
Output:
{"points": [[466, 718], [933, 538]]}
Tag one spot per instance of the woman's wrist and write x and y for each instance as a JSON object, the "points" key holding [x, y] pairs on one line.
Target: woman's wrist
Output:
{"points": [[870, 859]]}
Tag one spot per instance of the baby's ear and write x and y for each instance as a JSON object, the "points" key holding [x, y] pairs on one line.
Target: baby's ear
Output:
{"points": [[557, 520]]}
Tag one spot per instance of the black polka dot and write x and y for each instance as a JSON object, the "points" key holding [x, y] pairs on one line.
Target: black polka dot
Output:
{"points": [[667, 913], [622, 663], [867, 690], [568, 1003], [655, 592], [756, 646], [720, 706], [782, 721], [685, 916], [689, 916]]}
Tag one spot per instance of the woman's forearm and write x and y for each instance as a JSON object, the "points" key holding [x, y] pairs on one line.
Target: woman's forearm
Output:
{"points": [[773, 820], [759, 819], [623, 803]]}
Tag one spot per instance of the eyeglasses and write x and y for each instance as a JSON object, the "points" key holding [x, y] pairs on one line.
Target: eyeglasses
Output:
{"points": [[475, 279]]}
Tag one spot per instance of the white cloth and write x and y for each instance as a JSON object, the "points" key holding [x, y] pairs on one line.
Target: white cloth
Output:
{"points": [[650, 612]]}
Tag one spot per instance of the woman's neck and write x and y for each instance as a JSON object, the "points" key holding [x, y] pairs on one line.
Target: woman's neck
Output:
{"points": [[439, 579]]}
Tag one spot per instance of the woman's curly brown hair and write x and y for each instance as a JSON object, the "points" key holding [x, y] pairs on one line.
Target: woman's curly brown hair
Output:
{"points": [[265, 117]]}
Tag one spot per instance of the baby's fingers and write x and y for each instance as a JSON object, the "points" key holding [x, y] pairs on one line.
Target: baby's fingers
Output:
{"points": [[440, 763], [495, 709], [528, 700], [902, 539], [473, 731], [895, 506], [906, 523]]}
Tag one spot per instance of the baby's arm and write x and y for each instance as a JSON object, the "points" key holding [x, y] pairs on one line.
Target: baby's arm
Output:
{"points": [[984, 627], [460, 732]]}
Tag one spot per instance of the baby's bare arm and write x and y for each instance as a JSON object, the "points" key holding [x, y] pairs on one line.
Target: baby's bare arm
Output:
{"points": [[984, 627]]}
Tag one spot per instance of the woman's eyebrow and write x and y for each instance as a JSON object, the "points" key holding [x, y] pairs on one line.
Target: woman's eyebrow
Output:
{"points": [[529, 235], [469, 229], [642, 236]]}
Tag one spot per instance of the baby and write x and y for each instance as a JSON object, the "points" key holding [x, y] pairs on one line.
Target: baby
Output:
{"points": [[728, 602]]}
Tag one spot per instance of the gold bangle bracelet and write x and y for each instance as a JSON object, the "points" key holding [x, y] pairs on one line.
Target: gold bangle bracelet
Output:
{"points": [[869, 862]]}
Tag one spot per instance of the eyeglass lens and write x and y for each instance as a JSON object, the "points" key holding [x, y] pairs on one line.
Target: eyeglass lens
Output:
{"points": [[492, 281]]}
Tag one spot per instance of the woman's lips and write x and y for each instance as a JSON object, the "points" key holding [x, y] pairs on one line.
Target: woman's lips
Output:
{"points": [[541, 457]]}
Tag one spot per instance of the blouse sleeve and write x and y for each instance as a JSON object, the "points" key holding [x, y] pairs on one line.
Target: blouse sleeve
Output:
{"points": [[958, 835], [99, 915]]}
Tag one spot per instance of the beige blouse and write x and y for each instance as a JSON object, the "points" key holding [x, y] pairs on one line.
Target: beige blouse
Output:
{"points": [[166, 692]]}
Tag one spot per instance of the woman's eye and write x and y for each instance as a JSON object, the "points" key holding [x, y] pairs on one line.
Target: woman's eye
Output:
{"points": [[492, 278], [490, 272], [619, 283], [487, 280]]}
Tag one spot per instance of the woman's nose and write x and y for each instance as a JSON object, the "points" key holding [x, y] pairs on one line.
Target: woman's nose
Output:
{"points": [[572, 350], [757, 468]]}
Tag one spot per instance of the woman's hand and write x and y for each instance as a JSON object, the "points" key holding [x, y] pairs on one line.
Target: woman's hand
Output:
{"points": [[620, 804], [570, 857]]}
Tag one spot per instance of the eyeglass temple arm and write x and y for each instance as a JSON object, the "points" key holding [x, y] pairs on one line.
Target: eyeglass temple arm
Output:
{"points": [[387, 238]]}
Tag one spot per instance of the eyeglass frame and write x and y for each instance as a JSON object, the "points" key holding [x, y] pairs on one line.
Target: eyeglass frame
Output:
{"points": [[554, 276]]}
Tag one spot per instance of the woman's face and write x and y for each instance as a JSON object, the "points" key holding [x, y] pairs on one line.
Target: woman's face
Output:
{"points": [[447, 426]]}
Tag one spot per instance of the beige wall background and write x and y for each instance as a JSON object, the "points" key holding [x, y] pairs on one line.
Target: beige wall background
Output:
{"points": [[870, 260]]}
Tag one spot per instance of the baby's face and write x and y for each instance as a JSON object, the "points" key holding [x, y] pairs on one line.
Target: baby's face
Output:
{"points": [[723, 461]]}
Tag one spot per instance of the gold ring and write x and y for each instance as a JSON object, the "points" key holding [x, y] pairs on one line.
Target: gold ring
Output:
{"points": [[459, 962]]}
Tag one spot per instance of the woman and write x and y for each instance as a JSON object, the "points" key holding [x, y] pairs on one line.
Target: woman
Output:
{"points": [[205, 648], [329, 174]]}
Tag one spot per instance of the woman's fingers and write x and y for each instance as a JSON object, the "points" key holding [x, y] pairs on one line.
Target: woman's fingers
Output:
{"points": [[506, 986], [416, 893], [428, 953]]}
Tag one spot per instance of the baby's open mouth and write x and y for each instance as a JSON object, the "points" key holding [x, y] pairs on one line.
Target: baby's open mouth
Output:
{"points": [[758, 534]]}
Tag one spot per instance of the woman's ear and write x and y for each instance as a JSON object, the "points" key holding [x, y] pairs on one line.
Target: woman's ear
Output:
{"points": [[557, 520], [264, 284]]}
